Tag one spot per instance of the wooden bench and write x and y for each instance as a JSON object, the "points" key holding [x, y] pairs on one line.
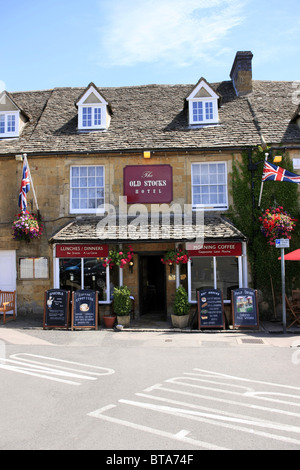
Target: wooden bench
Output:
{"points": [[7, 304]]}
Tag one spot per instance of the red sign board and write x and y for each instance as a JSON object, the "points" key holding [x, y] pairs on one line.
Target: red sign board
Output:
{"points": [[148, 184], [81, 251], [214, 249]]}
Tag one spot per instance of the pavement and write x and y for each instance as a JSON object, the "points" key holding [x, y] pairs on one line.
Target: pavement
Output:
{"points": [[152, 323]]}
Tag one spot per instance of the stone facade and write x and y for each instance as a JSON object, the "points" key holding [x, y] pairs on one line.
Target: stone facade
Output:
{"points": [[152, 118]]}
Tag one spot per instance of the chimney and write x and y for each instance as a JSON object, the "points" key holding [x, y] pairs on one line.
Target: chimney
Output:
{"points": [[241, 73]]}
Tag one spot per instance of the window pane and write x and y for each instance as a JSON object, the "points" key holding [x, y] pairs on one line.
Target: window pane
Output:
{"points": [[227, 275], [11, 123], [209, 110], [97, 117], [2, 124], [75, 193], [197, 111], [83, 182], [75, 203], [92, 193], [87, 117], [95, 276], [70, 273], [75, 171], [83, 193], [83, 204], [209, 184], [85, 187], [202, 274], [99, 182], [91, 181], [83, 171]]}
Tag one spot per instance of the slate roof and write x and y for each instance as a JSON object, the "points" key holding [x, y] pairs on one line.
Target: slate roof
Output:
{"points": [[154, 117], [216, 228]]}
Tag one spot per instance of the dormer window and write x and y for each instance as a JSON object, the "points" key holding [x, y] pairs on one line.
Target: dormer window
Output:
{"points": [[91, 117], [93, 110], [203, 104], [9, 117]]}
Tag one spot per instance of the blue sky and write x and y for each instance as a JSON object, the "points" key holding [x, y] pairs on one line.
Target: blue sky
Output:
{"points": [[56, 43]]}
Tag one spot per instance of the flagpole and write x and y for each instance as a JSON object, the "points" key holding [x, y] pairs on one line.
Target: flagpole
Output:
{"points": [[262, 183], [34, 195]]}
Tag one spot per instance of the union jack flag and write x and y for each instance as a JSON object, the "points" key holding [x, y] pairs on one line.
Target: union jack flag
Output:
{"points": [[276, 173], [25, 187]]}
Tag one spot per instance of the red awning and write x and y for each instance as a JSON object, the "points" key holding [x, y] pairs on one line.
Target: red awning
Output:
{"points": [[292, 256]]}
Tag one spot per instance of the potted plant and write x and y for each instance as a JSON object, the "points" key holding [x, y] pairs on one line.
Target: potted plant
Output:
{"points": [[122, 305], [180, 317]]}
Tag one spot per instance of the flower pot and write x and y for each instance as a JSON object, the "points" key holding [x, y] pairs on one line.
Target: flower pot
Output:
{"points": [[109, 320], [123, 320], [180, 321]]}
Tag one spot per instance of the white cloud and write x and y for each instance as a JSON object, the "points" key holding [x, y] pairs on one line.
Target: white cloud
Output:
{"points": [[177, 31]]}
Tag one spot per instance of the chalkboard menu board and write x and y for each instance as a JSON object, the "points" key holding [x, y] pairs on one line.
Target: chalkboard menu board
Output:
{"points": [[85, 309], [56, 308], [210, 309], [244, 308]]}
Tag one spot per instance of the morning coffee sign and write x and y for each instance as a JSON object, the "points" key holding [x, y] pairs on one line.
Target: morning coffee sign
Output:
{"points": [[146, 184]]}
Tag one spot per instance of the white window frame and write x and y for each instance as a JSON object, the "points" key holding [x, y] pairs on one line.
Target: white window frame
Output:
{"points": [[56, 280], [210, 206], [6, 115], [242, 280], [205, 120], [212, 98], [98, 103], [93, 126], [96, 210]]}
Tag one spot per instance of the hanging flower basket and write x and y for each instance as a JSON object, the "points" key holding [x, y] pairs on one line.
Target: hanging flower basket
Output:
{"points": [[173, 257], [118, 258], [27, 227], [276, 223]]}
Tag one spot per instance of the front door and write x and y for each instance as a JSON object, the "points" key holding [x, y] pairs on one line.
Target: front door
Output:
{"points": [[152, 285]]}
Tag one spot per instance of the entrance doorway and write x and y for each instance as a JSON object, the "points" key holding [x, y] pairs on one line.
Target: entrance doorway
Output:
{"points": [[152, 281]]}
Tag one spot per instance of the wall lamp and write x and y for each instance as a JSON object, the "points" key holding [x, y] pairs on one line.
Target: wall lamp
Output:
{"points": [[131, 264], [19, 158], [147, 154]]}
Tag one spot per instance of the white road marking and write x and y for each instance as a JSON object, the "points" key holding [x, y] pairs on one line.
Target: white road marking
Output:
{"points": [[243, 389], [20, 363], [177, 437], [227, 416], [224, 401], [197, 416]]}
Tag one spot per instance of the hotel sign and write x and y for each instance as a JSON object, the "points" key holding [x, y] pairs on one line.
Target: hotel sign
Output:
{"points": [[146, 184]]}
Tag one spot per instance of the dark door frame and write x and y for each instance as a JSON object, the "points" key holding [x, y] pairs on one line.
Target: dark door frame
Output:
{"points": [[142, 256]]}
